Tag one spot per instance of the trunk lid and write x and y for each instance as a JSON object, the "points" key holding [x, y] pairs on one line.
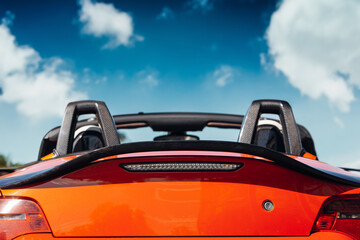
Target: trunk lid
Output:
{"points": [[106, 200]]}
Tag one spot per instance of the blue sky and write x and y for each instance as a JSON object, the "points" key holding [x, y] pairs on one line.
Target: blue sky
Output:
{"points": [[195, 55]]}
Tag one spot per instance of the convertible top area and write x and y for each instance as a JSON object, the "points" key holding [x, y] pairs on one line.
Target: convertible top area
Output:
{"points": [[61, 141], [178, 124]]}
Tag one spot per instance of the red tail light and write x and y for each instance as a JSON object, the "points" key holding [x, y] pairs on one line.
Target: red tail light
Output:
{"points": [[341, 214], [20, 216]]}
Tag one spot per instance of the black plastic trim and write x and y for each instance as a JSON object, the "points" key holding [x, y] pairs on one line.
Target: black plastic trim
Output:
{"points": [[351, 169], [73, 111], [291, 134], [87, 159], [7, 170], [178, 122]]}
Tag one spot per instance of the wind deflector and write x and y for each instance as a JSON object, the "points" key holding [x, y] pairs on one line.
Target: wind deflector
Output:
{"points": [[291, 134], [73, 111]]}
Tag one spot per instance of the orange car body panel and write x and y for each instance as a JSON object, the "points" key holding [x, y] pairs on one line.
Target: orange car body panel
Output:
{"points": [[104, 200], [315, 236]]}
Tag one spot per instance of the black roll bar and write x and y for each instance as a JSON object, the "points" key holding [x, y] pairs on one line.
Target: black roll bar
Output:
{"points": [[73, 111], [292, 141]]}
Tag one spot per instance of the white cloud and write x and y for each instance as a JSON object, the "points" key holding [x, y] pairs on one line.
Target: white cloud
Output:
{"points": [[204, 5], [224, 75], [104, 20], [148, 77], [38, 87], [8, 19], [339, 122], [166, 13], [315, 44], [265, 61], [90, 77]]}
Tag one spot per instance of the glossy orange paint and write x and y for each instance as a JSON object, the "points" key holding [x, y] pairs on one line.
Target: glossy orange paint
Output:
{"points": [[315, 236], [309, 155], [104, 200], [46, 157]]}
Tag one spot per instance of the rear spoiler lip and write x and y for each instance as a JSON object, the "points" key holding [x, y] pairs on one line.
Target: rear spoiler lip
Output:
{"points": [[86, 159], [7, 170], [350, 169]]}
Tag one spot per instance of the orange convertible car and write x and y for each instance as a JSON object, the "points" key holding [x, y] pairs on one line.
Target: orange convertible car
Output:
{"points": [[265, 184]]}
